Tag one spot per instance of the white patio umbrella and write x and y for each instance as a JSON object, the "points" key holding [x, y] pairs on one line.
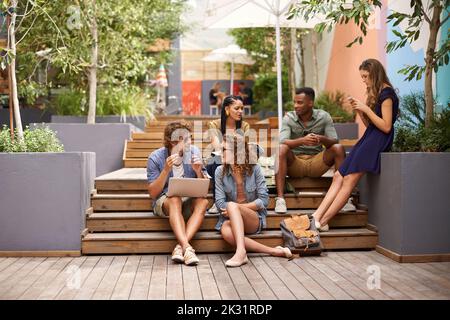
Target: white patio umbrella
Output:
{"points": [[229, 14], [232, 54]]}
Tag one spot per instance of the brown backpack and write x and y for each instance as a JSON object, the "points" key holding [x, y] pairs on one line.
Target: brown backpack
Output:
{"points": [[300, 235]]}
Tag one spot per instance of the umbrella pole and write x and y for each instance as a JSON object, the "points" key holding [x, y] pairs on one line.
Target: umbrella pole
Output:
{"points": [[279, 83], [232, 76]]}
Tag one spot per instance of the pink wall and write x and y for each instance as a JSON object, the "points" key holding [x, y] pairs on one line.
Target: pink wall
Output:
{"points": [[343, 73]]}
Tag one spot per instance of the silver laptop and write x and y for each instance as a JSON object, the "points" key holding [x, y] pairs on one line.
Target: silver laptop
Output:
{"points": [[188, 187]]}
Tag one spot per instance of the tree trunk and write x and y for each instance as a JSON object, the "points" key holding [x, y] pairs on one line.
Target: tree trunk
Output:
{"points": [[92, 76], [301, 60], [429, 65], [315, 65], [12, 70], [293, 44]]}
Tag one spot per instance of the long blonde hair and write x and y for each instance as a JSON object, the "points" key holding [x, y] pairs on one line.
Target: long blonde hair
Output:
{"points": [[378, 77]]}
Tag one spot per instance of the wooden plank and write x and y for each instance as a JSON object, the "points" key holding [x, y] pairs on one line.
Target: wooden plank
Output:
{"points": [[224, 283], [240, 282], [392, 283], [76, 278], [61, 280], [439, 283], [6, 262], [415, 283], [142, 282], [208, 284], [206, 241], [137, 153], [258, 283], [353, 272], [125, 282], [337, 277], [106, 286], [145, 144], [94, 279], [434, 281], [191, 284], [296, 287], [135, 163], [157, 289], [322, 280], [16, 272], [146, 221], [416, 258], [174, 280], [143, 202], [278, 287], [21, 286], [313, 287], [41, 253], [441, 266]]}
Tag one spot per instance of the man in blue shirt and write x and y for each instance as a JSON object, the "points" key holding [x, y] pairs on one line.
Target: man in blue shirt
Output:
{"points": [[178, 158]]}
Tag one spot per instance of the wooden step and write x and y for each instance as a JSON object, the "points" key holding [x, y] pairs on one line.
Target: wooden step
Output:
{"points": [[135, 179], [146, 221], [142, 202], [211, 241], [135, 162], [145, 144]]}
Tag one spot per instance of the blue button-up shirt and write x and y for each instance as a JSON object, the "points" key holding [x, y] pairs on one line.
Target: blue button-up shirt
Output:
{"points": [[255, 190], [157, 160]]}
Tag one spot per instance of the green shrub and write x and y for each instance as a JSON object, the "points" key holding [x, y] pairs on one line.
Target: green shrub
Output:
{"points": [[435, 138], [332, 103], [112, 100], [123, 101], [265, 92], [36, 140], [72, 102], [412, 110]]}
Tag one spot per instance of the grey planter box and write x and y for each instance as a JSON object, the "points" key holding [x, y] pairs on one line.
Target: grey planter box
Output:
{"points": [[409, 204], [347, 130], [43, 201], [27, 115], [105, 139], [138, 121]]}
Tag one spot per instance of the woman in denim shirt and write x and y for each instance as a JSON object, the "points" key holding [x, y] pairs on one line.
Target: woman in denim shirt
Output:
{"points": [[242, 198]]}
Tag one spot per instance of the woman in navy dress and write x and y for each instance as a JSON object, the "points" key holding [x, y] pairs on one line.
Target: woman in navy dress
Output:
{"points": [[378, 114]]}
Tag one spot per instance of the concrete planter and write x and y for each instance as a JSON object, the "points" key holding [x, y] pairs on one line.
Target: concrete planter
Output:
{"points": [[347, 130], [43, 200], [138, 121], [105, 139], [409, 204]]}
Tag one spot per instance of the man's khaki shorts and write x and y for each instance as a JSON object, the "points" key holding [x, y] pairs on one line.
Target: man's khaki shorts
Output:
{"points": [[308, 166], [186, 207]]}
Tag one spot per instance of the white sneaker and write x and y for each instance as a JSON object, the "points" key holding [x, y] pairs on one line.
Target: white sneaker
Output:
{"points": [[349, 206], [321, 228], [280, 205], [177, 254], [190, 259], [213, 209]]}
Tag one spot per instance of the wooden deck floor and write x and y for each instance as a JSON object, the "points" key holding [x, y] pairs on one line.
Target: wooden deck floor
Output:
{"points": [[335, 275]]}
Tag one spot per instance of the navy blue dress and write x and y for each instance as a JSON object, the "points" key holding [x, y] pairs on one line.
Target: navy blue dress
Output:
{"points": [[366, 154]]}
